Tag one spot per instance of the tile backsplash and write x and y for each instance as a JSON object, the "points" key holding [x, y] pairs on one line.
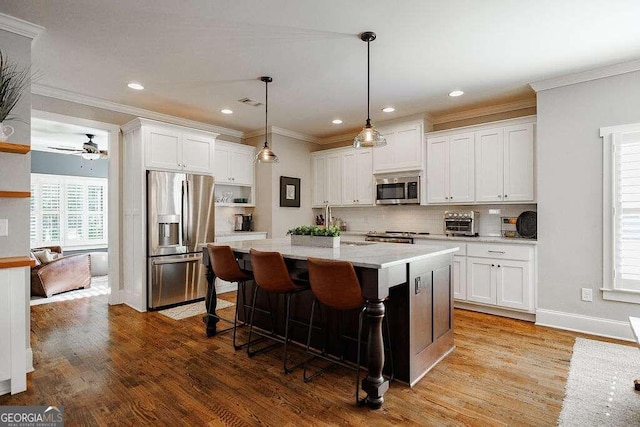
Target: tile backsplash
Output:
{"points": [[421, 218]]}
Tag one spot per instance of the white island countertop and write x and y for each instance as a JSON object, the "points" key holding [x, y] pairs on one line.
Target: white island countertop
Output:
{"points": [[360, 254]]}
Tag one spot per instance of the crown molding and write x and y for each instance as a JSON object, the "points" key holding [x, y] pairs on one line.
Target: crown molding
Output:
{"points": [[283, 132], [585, 76], [66, 95], [339, 138], [20, 27], [484, 111]]}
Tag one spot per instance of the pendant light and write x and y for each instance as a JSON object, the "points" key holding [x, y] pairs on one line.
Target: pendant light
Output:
{"points": [[266, 155], [368, 136]]}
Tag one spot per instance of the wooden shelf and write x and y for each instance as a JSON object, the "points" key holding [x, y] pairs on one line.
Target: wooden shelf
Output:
{"points": [[16, 261], [7, 147], [15, 194]]}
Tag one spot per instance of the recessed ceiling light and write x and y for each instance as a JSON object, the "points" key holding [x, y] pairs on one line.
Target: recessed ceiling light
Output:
{"points": [[456, 93], [388, 109], [336, 122], [136, 86], [226, 111]]}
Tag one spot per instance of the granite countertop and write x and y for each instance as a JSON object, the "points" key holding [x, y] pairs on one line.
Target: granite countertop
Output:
{"points": [[236, 233], [368, 255], [478, 239]]}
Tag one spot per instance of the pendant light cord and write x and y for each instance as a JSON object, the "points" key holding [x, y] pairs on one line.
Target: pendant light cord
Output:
{"points": [[368, 83], [266, 113]]}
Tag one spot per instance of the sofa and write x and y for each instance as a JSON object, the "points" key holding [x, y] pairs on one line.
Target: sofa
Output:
{"points": [[58, 273]]}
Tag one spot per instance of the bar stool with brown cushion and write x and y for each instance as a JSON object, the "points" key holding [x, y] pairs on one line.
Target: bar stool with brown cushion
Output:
{"points": [[225, 267], [336, 286], [271, 275]]}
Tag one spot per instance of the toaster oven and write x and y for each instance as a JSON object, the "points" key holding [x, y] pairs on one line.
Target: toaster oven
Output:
{"points": [[461, 223]]}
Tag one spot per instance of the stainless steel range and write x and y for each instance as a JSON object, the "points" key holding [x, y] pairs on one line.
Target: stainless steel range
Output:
{"points": [[392, 236]]}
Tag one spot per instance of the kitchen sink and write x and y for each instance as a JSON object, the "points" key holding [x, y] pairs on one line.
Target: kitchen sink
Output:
{"points": [[343, 243]]}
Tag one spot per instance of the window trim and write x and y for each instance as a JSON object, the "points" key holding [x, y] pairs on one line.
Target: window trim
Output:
{"points": [[610, 137]]}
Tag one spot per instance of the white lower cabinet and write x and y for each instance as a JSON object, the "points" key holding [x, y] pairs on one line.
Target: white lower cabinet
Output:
{"points": [[459, 277], [223, 286], [501, 275]]}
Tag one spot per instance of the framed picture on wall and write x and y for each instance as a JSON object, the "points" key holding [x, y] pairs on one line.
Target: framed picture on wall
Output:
{"points": [[289, 192]]}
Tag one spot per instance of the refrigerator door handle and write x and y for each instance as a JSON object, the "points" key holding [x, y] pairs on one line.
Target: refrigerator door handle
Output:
{"points": [[189, 203], [176, 260], [183, 211]]}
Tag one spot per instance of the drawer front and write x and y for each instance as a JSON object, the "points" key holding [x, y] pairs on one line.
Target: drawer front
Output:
{"points": [[497, 251], [462, 251]]}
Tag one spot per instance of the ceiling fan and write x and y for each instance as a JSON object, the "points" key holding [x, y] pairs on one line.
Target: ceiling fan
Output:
{"points": [[89, 151]]}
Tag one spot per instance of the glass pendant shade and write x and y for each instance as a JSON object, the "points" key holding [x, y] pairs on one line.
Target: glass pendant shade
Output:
{"points": [[369, 137], [266, 155]]}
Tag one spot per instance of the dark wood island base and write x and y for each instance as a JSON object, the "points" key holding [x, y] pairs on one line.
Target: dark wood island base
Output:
{"points": [[418, 296]]}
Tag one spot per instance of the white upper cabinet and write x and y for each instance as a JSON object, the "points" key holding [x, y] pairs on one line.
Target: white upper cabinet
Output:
{"points": [[504, 164], [234, 163], [175, 148], [342, 177], [357, 178], [486, 163], [518, 163], [404, 149], [450, 169], [327, 179]]}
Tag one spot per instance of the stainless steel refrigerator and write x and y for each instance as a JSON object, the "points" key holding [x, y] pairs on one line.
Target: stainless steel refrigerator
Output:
{"points": [[180, 220]]}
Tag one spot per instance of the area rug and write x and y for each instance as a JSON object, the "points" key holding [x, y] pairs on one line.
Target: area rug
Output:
{"points": [[600, 388], [190, 310], [99, 286]]}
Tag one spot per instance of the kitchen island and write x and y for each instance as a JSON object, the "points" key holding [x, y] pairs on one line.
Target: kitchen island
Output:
{"points": [[415, 281]]}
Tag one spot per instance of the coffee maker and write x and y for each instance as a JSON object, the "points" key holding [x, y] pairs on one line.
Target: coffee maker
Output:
{"points": [[247, 222], [242, 222]]}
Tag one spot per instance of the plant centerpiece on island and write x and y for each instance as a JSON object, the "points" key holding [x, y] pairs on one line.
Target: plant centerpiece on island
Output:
{"points": [[312, 235], [13, 83]]}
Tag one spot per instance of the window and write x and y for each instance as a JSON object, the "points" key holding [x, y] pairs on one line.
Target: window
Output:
{"points": [[621, 237], [68, 211]]}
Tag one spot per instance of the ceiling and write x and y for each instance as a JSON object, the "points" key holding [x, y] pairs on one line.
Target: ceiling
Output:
{"points": [[197, 57]]}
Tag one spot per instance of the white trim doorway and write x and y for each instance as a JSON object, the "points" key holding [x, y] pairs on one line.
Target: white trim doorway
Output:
{"points": [[113, 199]]}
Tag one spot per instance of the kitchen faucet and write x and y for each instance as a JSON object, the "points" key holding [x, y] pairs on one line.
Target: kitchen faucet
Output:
{"points": [[327, 216]]}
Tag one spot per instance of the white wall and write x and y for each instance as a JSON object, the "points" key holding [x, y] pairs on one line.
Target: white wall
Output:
{"points": [[15, 168], [295, 162], [569, 184]]}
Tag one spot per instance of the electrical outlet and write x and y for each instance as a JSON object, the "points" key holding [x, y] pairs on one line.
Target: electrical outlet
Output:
{"points": [[494, 211], [587, 294], [4, 227]]}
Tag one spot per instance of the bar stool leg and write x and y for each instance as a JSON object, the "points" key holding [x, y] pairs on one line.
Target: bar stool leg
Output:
{"points": [[253, 312], [307, 358], [286, 335], [241, 286]]}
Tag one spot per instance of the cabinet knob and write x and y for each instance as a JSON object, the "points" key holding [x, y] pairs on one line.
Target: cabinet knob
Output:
{"points": [[505, 196], [446, 198], [498, 265], [493, 265], [500, 196]]}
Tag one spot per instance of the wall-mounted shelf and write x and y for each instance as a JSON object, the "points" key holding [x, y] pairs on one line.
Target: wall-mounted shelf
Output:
{"points": [[8, 147], [17, 261], [15, 194]]}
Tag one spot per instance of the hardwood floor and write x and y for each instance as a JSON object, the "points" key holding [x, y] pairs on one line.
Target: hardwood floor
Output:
{"points": [[115, 366]]}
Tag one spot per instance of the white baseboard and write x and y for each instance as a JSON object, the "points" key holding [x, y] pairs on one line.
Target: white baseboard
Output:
{"points": [[497, 311], [221, 288], [5, 387], [29, 355], [585, 324]]}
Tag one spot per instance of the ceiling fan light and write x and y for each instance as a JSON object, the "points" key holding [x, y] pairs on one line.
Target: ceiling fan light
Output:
{"points": [[369, 137], [90, 156]]}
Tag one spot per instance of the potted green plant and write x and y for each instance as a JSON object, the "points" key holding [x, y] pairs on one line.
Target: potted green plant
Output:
{"points": [[312, 235], [13, 82]]}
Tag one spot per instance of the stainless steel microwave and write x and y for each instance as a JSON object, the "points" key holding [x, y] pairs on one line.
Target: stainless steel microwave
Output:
{"points": [[398, 190]]}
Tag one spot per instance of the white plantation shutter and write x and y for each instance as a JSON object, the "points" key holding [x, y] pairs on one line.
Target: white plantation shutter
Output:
{"points": [[68, 211], [626, 212]]}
